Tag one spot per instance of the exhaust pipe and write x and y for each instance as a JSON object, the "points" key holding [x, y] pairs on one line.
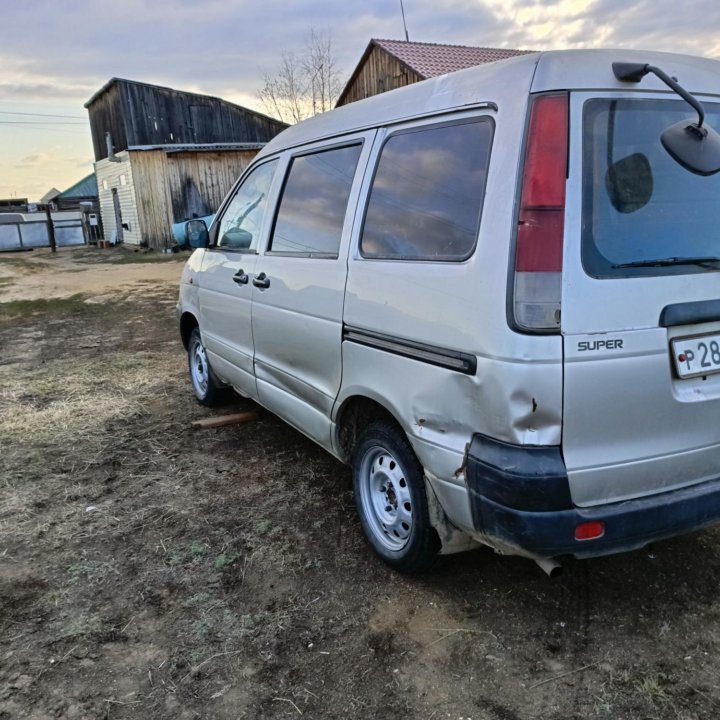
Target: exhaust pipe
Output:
{"points": [[551, 568]]}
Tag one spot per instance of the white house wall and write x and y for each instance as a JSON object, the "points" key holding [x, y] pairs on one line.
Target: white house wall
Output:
{"points": [[118, 175]]}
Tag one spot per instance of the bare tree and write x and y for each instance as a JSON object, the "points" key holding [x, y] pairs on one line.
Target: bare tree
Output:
{"points": [[305, 84]]}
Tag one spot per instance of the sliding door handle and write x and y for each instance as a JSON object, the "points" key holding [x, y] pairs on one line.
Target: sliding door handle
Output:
{"points": [[240, 277], [261, 281]]}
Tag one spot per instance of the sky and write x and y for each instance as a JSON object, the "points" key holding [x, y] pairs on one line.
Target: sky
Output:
{"points": [[55, 54]]}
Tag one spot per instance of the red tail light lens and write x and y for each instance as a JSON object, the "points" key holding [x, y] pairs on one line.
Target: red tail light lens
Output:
{"points": [[538, 259], [590, 530]]}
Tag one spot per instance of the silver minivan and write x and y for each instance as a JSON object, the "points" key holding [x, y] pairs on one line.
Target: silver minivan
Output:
{"points": [[496, 294]]}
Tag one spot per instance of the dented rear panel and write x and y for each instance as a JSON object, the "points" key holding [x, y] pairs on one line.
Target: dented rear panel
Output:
{"points": [[429, 338]]}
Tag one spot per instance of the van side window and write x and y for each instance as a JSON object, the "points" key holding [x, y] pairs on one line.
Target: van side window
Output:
{"points": [[241, 223], [427, 193], [314, 201]]}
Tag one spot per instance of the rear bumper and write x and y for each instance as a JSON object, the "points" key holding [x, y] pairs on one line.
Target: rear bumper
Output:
{"points": [[520, 497]]}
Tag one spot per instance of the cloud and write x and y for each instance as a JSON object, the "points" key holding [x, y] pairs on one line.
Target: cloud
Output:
{"points": [[208, 46], [219, 47], [33, 160], [43, 91], [224, 48], [640, 24]]}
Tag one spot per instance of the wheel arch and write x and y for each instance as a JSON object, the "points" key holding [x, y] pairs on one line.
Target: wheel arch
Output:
{"points": [[353, 415], [188, 322]]}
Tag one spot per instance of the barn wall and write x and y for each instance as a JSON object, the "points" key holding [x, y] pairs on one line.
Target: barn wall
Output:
{"points": [[379, 73], [118, 175], [140, 114], [106, 115], [174, 185], [162, 116]]}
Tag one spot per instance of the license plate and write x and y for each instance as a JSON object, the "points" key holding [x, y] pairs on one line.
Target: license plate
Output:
{"points": [[698, 355]]}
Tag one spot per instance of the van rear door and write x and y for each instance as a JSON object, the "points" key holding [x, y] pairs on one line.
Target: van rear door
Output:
{"points": [[640, 311]]}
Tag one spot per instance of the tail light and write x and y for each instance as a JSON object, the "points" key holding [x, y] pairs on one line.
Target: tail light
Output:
{"points": [[590, 530], [539, 246]]}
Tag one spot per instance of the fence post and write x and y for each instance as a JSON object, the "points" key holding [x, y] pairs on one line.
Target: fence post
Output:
{"points": [[51, 228]]}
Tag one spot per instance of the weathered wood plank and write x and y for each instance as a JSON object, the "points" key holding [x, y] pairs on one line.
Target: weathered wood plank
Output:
{"points": [[380, 72], [223, 420], [140, 114], [172, 186]]}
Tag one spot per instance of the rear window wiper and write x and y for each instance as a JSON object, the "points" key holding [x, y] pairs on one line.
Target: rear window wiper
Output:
{"points": [[709, 262]]}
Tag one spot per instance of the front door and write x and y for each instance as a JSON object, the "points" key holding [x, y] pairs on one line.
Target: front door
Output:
{"points": [[299, 287], [118, 216], [225, 280]]}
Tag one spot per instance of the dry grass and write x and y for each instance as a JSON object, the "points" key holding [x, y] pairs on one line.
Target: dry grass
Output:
{"points": [[55, 307], [53, 422], [126, 255], [69, 398], [148, 570]]}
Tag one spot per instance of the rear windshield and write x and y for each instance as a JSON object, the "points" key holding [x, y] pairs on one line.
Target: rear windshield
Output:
{"points": [[638, 203]]}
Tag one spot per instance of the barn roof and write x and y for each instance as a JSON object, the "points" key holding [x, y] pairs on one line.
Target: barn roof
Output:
{"points": [[87, 187], [188, 93], [433, 59], [199, 147]]}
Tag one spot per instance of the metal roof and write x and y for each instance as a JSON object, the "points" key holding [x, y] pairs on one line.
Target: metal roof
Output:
{"points": [[87, 187], [432, 59], [198, 147], [51, 194]]}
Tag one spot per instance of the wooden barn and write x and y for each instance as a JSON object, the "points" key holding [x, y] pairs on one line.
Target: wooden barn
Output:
{"points": [[390, 64], [164, 155]]}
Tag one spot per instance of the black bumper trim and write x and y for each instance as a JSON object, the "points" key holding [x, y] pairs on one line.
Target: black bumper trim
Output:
{"points": [[628, 525], [520, 496], [523, 477]]}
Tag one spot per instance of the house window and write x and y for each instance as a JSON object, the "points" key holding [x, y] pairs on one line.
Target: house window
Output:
{"points": [[123, 179], [104, 184]]}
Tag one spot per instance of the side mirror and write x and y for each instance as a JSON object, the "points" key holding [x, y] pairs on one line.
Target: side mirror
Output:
{"points": [[695, 147], [629, 183], [237, 239], [196, 234]]}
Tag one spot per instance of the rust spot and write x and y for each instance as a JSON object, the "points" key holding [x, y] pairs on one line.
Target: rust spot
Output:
{"points": [[461, 469], [421, 421]]}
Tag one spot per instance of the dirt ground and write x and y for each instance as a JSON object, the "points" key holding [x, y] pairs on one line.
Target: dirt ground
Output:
{"points": [[148, 570]]}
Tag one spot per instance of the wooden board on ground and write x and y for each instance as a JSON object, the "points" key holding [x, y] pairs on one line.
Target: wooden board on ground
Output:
{"points": [[222, 420]]}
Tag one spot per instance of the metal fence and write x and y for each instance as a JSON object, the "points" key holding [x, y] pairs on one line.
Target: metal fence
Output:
{"points": [[20, 231]]}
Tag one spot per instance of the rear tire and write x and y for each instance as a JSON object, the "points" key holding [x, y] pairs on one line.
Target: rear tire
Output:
{"points": [[208, 389], [391, 499]]}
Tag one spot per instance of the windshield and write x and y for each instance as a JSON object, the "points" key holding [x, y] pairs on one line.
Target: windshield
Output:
{"points": [[641, 210]]}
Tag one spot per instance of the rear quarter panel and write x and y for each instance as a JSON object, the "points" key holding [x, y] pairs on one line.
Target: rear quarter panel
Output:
{"points": [[516, 392]]}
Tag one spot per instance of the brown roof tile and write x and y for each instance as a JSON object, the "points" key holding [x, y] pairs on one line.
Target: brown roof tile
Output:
{"points": [[432, 59]]}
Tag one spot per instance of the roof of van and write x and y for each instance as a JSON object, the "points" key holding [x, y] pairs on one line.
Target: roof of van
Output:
{"points": [[498, 81]]}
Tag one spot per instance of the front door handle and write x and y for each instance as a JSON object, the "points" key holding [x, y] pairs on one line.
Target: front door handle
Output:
{"points": [[261, 281], [240, 277]]}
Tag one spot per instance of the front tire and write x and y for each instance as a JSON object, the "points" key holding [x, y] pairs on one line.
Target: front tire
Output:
{"points": [[208, 389], [391, 499]]}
